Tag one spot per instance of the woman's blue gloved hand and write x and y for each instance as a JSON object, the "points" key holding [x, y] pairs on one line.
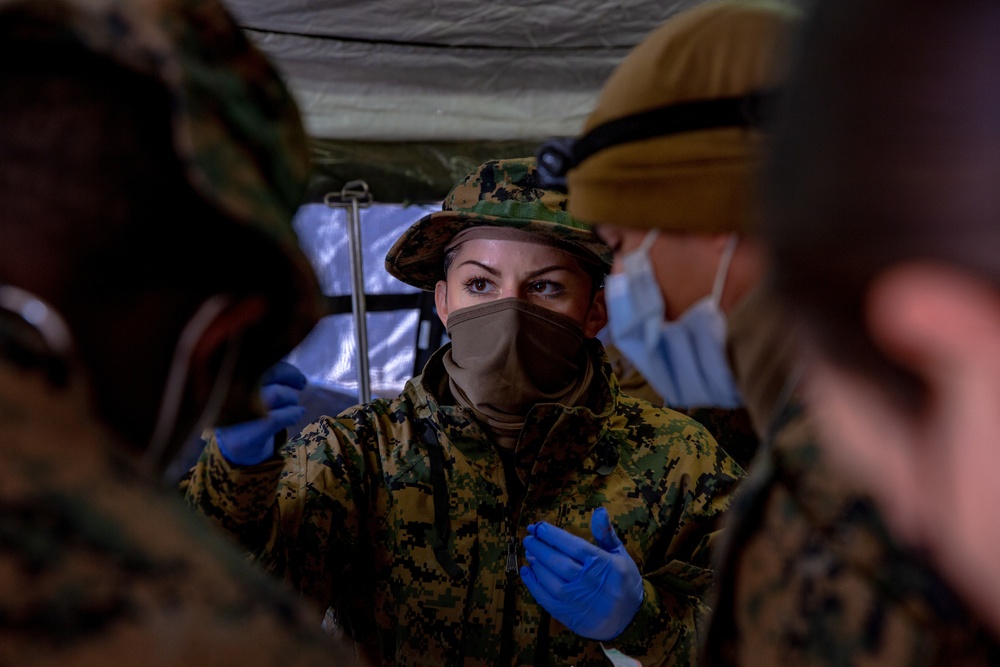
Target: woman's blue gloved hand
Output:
{"points": [[594, 590], [252, 442]]}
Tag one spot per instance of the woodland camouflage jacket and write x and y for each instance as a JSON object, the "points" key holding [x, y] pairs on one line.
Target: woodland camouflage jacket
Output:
{"points": [[396, 514]]}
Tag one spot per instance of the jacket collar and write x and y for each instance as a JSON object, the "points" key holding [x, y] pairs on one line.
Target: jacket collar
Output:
{"points": [[554, 436]]}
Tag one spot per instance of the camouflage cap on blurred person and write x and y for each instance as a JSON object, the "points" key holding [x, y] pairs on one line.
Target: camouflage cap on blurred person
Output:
{"points": [[498, 193], [235, 126]]}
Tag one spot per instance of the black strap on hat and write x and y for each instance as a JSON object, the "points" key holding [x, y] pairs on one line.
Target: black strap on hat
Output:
{"points": [[557, 156]]}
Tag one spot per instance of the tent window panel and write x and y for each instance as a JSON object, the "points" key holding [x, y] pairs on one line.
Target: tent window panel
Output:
{"points": [[328, 355], [323, 236]]}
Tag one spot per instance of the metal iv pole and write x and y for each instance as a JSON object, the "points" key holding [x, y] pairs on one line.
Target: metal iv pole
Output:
{"points": [[354, 196]]}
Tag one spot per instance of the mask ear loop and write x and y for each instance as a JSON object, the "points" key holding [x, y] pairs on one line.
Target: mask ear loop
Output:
{"points": [[647, 241], [723, 271], [173, 391], [639, 257]]}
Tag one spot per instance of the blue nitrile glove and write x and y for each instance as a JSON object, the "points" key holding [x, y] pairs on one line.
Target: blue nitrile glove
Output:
{"points": [[252, 442], [595, 591]]}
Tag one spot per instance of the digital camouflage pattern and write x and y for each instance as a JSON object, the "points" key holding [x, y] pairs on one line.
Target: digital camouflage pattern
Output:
{"points": [[100, 567], [809, 576], [498, 193], [732, 428], [235, 125], [396, 515]]}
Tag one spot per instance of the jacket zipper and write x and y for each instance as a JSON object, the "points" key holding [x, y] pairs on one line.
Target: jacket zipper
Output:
{"points": [[509, 594]]}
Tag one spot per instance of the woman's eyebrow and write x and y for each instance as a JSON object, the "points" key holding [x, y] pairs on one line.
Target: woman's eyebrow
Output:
{"points": [[554, 267], [484, 267]]}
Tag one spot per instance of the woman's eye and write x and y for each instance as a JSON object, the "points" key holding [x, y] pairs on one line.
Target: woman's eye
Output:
{"points": [[546, 288], [477, 285]]}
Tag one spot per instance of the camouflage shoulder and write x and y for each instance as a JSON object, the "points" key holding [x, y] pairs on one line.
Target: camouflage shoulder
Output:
{"points": [[733, 430], [656, 425]]}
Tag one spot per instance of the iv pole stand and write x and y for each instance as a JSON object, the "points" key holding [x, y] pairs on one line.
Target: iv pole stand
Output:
{"points": [[354, 196]]}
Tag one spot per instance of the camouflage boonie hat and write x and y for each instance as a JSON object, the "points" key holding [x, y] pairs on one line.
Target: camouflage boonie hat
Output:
{"points": [[235, 126], [499, 193]]}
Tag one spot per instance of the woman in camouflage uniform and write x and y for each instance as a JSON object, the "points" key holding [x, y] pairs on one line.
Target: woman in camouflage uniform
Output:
{"points": [[410, 517]]}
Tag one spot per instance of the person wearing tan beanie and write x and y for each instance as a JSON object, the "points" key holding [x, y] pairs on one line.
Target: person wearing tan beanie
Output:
{"points": [[666, 169]]}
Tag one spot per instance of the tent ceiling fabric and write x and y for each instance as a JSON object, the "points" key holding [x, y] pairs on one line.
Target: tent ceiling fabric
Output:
{"points": [[448, 70]]}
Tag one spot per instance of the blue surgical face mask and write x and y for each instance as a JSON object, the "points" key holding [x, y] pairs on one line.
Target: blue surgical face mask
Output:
{"points": [[684, 360]]}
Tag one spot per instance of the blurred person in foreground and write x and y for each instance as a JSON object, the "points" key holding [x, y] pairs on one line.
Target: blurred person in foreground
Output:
{"points": [[667, 168], [150, 165], [407, 516], [884, 225]]}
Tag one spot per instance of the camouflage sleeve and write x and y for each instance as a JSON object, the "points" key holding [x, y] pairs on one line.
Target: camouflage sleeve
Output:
{"points": [[298, 516], [689, 480], [237, 499], [322, 502]]}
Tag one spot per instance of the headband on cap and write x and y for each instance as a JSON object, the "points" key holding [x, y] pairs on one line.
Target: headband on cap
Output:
{"points": [[556, 157]]}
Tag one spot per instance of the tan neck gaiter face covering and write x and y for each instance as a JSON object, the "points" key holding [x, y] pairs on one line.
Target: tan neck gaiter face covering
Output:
{"points": [[508, 355]]}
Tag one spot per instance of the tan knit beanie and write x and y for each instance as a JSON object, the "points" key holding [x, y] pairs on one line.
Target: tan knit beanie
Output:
{"points": [[693, 180]]}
